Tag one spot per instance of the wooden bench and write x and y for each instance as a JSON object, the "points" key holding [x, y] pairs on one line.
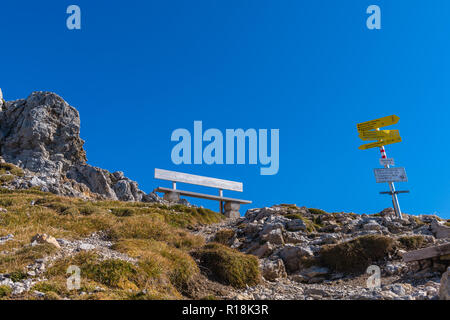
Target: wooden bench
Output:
{"points": [[442, 250], [231, 207]]}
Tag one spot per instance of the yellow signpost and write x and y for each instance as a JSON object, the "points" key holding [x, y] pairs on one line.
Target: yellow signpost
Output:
{"points": [[370, 130], [377, 123], [380, 143], [379, 135]]}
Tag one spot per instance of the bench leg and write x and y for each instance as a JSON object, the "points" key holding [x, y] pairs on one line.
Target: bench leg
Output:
{"points": [[232, 210], [172, 196], [221, 207]]}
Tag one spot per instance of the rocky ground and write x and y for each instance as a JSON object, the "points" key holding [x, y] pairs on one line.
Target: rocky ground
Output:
{"points": [[289, 242], [279, 236]]}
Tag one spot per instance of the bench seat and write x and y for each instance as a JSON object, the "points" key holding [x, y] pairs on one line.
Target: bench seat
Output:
{"points": [[201, 195]]}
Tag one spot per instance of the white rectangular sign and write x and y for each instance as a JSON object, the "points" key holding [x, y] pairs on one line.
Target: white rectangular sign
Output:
{"points": [[388, 162], [390, 175]]}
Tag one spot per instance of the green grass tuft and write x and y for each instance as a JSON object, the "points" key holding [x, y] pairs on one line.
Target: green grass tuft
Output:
{"points": [[5, 291], [229, 266]]}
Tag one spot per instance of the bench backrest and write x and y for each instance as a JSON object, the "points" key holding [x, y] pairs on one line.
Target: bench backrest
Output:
{"points": [[198, 180]]}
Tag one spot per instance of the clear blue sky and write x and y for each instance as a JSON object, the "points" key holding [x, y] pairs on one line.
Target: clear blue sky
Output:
{"points": [[137, 70]]}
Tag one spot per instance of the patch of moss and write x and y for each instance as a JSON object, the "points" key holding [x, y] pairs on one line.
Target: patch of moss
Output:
{"points": [[6, 178], [411, 242], [311, 225], [12, 169], [356, 255], [17, 275], [50, 286], [6, 202], [229, 266], [418, 221], [293, 216], [289, 206], [123, 212], [224, 236], [183, 217], [316, 211], [5, 291]]}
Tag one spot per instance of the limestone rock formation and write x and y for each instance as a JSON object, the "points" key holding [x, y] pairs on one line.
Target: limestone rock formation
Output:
{"points": [[291, 241], [444, 290], [41, 134]]}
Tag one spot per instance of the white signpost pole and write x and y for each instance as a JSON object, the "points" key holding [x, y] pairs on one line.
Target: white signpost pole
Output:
{"points": [[397, 210]]}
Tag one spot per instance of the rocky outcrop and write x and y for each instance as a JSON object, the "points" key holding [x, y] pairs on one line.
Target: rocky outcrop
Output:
{"points": [[444, 289], [439, 230], [290, 243], [41, 134]]}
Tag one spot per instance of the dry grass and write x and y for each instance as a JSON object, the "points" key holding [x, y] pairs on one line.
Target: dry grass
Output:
{"points": [[411, 242], [15, 263], [228, 266], [154, 234]]}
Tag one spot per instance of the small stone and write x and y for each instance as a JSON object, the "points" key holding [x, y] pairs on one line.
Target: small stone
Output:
{"points": [[39, 294], [273, 270], [44, 238], [372, 225], [86, 246], [296, 225], [263, 251], [315, 271]]}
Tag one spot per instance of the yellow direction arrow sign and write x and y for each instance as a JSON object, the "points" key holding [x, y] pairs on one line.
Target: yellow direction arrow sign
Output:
{"points": [[380, 143], [377, 123], [379, 135]]}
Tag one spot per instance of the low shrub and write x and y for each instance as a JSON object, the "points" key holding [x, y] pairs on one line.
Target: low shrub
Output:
{"points": [[356, 255], [228, 266]]}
